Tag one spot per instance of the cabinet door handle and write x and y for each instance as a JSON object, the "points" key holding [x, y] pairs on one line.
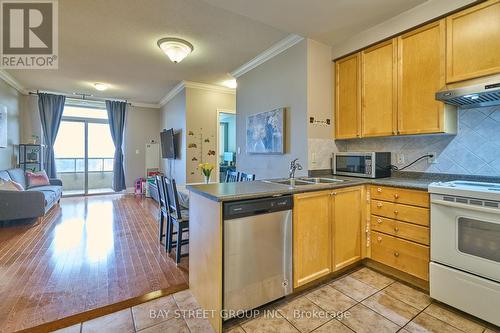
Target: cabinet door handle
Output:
{"points": [[396, 254], [379, 238], [379, 190], [396, 229], [379, 205], [379, 221], [396, 196], [396, 212]]}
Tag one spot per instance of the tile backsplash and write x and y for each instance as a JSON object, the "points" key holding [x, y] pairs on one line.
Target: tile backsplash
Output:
{"points": [[475, 150]]}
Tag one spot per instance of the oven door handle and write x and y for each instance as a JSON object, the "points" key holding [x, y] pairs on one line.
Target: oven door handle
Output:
{"points": [[468, 207]]}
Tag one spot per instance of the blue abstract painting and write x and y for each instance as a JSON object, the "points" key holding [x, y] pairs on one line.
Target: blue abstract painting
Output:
{"points": [[266, 132]]}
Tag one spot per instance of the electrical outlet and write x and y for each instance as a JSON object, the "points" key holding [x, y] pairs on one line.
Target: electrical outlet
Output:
{"points": [[400, 158], [432, 160]]}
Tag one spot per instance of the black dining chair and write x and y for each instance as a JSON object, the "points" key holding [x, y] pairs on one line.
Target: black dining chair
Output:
{"points": [[247, 177], [162, 205], [179, 218], [232, 176]]}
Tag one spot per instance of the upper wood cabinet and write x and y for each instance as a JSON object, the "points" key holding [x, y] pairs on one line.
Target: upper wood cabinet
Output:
{"points": [[421, 67], [347, 97], [346, 226], [379, 90], [473, 42], [311, 237]]}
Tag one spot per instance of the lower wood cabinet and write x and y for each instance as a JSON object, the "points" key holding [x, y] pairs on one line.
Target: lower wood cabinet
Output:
{"points": [[312, 246], [326, 232], [406, 256], [346, 225]]}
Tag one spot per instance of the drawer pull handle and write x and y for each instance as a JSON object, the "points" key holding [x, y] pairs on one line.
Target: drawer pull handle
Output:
{"points": [[379, 221], [396, 254], [396, 196], [379, 190], [379, 205], [396, 212], [396, 229], [379, 238]]}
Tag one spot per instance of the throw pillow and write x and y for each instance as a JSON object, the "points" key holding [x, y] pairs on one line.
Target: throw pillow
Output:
{"points": [[37, 178], [10, 185]]}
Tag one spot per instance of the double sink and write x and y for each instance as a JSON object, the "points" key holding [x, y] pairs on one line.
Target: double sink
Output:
{"points": [[305, 181]]}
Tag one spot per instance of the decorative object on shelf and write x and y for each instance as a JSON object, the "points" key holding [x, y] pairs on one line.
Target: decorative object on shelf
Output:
{"points": [[3, 126], [30, 157], [206, 171], [35, 139], [266, 132]]}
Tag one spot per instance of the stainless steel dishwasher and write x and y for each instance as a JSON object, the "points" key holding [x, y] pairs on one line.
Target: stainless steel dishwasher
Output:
{"points": [[257, 252]]}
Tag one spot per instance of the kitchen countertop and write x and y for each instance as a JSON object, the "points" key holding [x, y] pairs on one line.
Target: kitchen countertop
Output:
{"points": [[223, 192]]}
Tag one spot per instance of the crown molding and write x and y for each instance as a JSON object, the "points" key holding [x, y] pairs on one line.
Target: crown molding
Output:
{"points": [[270, 53], [172, 93], [194, 85], [12, 82]]}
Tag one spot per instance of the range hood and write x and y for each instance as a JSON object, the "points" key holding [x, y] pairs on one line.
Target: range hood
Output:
{"points": [[475, 96]]}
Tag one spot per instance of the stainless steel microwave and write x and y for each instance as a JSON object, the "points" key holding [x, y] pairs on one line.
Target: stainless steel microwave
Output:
{"points": [[362, 164]]}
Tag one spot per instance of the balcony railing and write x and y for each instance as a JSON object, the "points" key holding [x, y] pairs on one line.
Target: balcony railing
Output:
{"points": [[72, 173], [74, 165]]}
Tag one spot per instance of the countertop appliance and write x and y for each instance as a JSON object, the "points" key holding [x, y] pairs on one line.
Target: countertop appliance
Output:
{"points": [[465, 247], [486, 94], [257, 252], [362, 164]]}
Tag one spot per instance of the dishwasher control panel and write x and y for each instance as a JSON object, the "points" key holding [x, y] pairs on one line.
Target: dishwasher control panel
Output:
{"points": [[251, 207]]}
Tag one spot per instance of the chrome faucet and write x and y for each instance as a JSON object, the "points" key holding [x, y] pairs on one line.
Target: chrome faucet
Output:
{"points": [[294, 165]]}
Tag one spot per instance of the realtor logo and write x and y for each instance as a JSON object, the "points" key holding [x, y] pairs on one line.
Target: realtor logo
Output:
{"points": [[29, 36]]}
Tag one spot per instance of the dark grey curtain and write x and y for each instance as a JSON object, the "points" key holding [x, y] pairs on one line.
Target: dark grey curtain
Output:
{"points": [[116, 114], [51, 108]]}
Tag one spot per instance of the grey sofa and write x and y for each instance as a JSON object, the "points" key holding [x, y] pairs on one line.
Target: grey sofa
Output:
{"points": [[32, 202]]}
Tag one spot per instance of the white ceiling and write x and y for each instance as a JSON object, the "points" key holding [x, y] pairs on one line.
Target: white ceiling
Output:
{"points": [[327, 21], [114, 41]]}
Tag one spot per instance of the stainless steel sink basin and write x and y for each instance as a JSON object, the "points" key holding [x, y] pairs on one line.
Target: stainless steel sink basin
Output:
{"points": [[318, 180], [304, 181], [290, 182]]}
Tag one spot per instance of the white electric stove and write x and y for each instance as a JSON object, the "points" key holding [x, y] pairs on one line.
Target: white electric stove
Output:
{"points": [[465, 247]]}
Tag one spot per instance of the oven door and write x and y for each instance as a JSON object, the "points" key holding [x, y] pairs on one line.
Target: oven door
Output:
{"points": [[466, 237]]}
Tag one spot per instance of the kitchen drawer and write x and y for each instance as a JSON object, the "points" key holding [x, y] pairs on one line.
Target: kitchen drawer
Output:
{"points": [[400, 195], [409, 257], [412, 214], [400, 229]]}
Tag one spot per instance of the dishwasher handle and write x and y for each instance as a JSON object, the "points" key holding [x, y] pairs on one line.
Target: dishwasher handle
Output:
{"points": [[238, 209]]}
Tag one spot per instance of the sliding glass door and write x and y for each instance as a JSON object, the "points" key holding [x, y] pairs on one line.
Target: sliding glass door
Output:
{"points": [[84, 151]]}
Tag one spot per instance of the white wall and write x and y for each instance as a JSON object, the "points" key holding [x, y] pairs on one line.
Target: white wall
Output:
{"points": [[173, 115], [10, 98], [141, 127], [279, 82], [201, 110]]}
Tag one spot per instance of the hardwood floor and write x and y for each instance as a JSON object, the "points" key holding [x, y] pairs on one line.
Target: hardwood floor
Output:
{"points": [[86, 254]]}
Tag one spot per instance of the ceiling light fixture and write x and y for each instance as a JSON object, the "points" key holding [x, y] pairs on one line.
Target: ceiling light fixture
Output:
{"points": [[175, 48], [100, 86], [230, 83]]}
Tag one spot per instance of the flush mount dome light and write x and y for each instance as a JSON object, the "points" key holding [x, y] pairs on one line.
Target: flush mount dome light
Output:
{"points": [[100, 86], [175, 48]]}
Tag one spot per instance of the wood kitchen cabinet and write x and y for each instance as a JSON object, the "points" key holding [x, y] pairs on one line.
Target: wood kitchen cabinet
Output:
{"points": [[379, 90], [473, 42], [326, 232], [312, 245], [346, 226], [421, 73], [348, 97]]}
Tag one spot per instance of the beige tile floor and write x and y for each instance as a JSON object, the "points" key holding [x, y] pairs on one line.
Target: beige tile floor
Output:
{"points": [[362, 301]]}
